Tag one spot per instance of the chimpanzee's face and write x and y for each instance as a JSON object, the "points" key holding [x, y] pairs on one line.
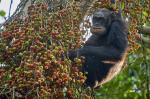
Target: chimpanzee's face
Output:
{"points": [[100, 21]]}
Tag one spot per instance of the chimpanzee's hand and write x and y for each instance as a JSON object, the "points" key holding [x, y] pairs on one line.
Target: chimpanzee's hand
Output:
{"points": [[72, 54]]}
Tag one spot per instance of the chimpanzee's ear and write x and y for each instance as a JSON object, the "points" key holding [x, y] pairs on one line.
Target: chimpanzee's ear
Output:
{"points": [[113, 15], [116, 15]]}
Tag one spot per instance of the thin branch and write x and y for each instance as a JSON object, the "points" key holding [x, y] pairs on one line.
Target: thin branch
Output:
{"points": [[20, 7], [145, 39], [11, 2]]}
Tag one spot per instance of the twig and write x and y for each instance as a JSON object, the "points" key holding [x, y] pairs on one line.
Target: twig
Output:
{"points": [[20, 7], [11, 2]]}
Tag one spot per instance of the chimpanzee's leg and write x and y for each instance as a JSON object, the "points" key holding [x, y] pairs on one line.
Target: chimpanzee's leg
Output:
{"points": [[95, 70], [88, 68]]}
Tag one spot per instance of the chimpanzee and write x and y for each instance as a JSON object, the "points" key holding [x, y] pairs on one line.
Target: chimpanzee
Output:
{"points": [[105, 50]]}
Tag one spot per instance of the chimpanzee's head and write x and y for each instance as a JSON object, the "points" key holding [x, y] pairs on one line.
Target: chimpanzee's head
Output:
{"points": [[101, 21]]}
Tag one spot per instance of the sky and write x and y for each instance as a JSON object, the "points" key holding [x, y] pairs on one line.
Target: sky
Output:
{"points": [[5, 4]]}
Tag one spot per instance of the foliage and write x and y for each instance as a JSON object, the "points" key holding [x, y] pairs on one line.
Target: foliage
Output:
{"points": [[34, 49], [2, 13]]}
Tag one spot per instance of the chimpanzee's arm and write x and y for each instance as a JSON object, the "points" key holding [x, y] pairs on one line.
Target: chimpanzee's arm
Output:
{"points": [[116, 44], [93, 40], [103, 52]]}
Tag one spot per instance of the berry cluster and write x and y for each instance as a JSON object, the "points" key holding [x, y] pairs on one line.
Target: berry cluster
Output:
{"points": [[34, 50]]}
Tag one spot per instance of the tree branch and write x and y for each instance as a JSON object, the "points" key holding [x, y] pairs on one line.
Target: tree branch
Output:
{"points": [[145, 30]]}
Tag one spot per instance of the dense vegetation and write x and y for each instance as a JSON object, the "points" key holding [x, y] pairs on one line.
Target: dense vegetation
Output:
{"points": [[33, 52]]}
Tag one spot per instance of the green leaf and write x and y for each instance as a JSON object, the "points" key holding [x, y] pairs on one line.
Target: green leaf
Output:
{"points": [[122, 5], [8, 77], [2, 13], [145, 13]]}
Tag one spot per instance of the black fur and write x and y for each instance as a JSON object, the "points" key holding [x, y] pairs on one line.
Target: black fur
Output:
{"points": [[105, 50]]}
